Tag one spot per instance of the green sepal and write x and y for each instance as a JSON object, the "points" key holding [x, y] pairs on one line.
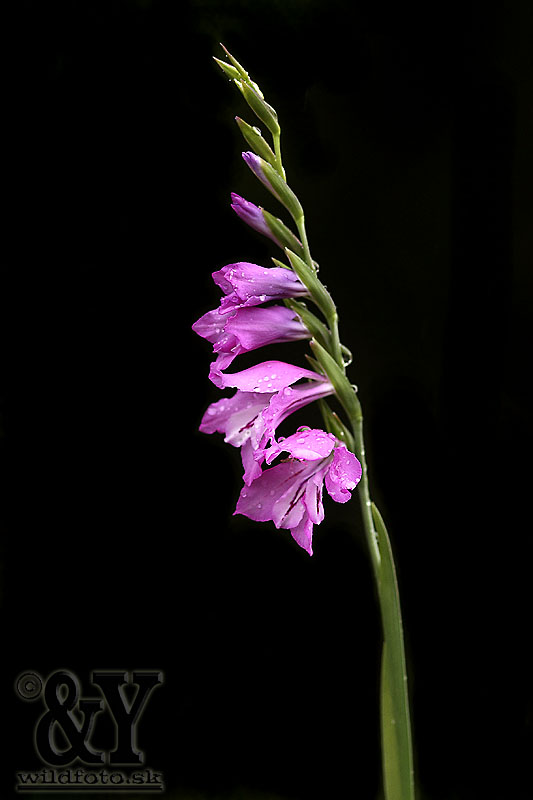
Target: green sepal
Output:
{"points": [[256, 141], [316, 327], [308, 277], [282, 191], [315, 366], [336, 426], [398, 772], [343, 388], [283, 234], [260, 107], [278, 263]]}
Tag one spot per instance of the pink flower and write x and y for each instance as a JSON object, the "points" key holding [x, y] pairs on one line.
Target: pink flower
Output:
{"points": [[245, 329], [246, 284], [249, 419], [290, 493]]}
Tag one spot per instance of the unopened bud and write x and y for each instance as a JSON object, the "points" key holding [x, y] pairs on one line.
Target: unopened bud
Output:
{"points": [[274, 183]]}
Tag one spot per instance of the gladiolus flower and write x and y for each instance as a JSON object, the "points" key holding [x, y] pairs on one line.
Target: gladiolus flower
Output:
{"points": [[246, 284], [249, 419], [247, 329], [290, 493]]}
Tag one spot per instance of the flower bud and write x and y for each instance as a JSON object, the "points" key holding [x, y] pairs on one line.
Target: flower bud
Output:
{"points": [[240, 69], [264, 222], [253, 216], [274, 183], [230, 71]]}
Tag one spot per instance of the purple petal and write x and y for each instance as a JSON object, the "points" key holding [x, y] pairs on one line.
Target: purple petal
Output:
{"points": [[303, 534], [343, 475], [269, 376], [252, 215], [275, 494], [246, 284], [256, 327], [252, 468], [210, 326], [238, 417], [308, 445], [281, 494], [255, 163], [289, 400]]}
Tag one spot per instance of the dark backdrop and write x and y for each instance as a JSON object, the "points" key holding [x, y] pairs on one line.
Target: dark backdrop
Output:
{"points": [[406, 134]]}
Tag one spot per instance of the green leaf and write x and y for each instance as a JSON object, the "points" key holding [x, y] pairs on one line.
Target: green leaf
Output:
{"points": [[397, 756]]}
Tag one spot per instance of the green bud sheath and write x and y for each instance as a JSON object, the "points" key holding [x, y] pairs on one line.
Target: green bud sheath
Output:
{"points": [[336, 426], [230, 71], [343, 388], [308, 277], [316, 327], [240, 69], [260, 107], [283, 192], [282, 233], [256, 141]]}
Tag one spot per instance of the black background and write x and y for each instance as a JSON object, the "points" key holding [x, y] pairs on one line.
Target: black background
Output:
{"points": [[406, 133]]}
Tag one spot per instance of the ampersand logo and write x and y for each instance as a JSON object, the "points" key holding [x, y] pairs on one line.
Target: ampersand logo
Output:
{"points": [[63, 732], [60, 714]]}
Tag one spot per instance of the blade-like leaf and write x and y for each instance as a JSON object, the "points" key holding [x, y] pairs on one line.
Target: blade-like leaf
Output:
{"points": [[396, 742]]}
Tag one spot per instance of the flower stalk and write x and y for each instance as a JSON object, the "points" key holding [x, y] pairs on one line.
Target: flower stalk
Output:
{"points": [[290, 492]]}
